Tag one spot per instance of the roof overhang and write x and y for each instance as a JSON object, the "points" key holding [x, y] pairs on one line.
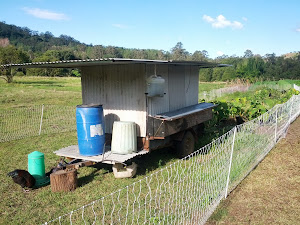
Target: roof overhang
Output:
{"points": [[108, 61]]}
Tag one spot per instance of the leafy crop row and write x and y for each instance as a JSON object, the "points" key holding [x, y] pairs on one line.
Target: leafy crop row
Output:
{"points": [[249, 105]]}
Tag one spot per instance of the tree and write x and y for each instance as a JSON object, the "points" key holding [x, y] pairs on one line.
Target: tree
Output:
{"points": [[248, 54], [178, 52], [271, 58], [97, 52], [199, 56], [50, 56], [11, 55], [205, 75], [217, 74], [229, 74]]}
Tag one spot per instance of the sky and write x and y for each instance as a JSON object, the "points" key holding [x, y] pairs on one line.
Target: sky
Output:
{"points": [[227, 27]]}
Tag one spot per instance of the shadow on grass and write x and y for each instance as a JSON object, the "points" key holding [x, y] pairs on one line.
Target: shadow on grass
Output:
{"points": [[154, 160], [86, 179], [90, 177], [44, 82], [40, 84], [214, 132]]}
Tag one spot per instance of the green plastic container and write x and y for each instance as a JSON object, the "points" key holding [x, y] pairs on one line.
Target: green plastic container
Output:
{"points": [[36, 167]]}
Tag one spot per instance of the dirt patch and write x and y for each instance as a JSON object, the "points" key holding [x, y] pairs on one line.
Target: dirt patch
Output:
{"points": [[271, 193]]}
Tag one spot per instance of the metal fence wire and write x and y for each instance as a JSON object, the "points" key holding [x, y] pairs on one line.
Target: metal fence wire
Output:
{"points": [[35, 120], [189, 190], [217, 93]]}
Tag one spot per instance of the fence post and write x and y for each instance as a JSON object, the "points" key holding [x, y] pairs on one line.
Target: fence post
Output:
{"points": [[276, 120], [292, 101], [41, 120], [231, 154]]}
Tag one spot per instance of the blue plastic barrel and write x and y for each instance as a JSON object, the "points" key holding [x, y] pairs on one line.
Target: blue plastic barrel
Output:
{"points": [[90, 129]]}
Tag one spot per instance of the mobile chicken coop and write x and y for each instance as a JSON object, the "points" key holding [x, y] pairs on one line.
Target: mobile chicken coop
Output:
{"points": [[160, 97]]}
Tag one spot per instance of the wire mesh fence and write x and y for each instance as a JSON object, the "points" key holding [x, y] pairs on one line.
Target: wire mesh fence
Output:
{"points": [[279, 87], [217, 93], [35, 120], [188, 191]]}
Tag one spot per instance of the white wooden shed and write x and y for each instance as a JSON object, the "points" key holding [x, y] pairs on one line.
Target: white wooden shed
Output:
{"points": [[120, 85], [122, 88]]}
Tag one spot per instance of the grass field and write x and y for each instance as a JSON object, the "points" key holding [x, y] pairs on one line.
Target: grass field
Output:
{"points": [[41, 204], [281, 84], [208, 86], [25, 91]]}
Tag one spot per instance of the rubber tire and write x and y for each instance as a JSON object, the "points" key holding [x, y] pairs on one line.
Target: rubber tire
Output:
{"points": [[186, 146]]}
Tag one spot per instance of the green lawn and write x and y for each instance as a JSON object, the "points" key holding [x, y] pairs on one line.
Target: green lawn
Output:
{"points": [[281, 84], [41, 205], [25, 91], [208, 86]]}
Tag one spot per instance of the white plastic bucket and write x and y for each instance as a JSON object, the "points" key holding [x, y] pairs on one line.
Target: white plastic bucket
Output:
{"points": [[124, 140]]}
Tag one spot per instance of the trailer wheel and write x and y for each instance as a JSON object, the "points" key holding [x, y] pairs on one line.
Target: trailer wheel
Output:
{"points": [[186, 146]]}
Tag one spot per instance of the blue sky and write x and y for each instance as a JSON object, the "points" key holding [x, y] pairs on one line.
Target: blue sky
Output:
{"points": [[219, 27]]}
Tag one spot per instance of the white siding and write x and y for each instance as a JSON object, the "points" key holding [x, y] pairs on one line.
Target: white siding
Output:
{"points": [[158, 104], [181, 87], [121, 91], [191, 85], [176, 87]]}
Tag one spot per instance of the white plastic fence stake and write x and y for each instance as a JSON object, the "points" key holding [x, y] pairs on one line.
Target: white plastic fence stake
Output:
{"points": [[41, 120], [231, 154], [292, 101], [276, 112]]}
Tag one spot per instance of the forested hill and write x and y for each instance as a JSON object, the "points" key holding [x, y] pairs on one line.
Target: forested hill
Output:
{"points": [[23, 37], [65, 47], [20, 44]]}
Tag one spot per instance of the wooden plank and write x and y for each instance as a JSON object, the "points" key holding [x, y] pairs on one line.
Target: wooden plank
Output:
{"points": [[108, 157], [164, 128]]}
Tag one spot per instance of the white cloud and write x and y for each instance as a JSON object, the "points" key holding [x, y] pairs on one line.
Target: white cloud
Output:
{"points": [[208, 19], [221, 22], [298, 30], [121, 26], [220, 53], [45, 14], [245, 18]]}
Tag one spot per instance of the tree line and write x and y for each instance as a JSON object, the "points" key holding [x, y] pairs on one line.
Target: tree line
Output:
{"points": [[254, 67], [20, 45]]}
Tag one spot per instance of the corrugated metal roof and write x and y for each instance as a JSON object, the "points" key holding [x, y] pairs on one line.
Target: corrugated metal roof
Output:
{"points": [[108, 61]]}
